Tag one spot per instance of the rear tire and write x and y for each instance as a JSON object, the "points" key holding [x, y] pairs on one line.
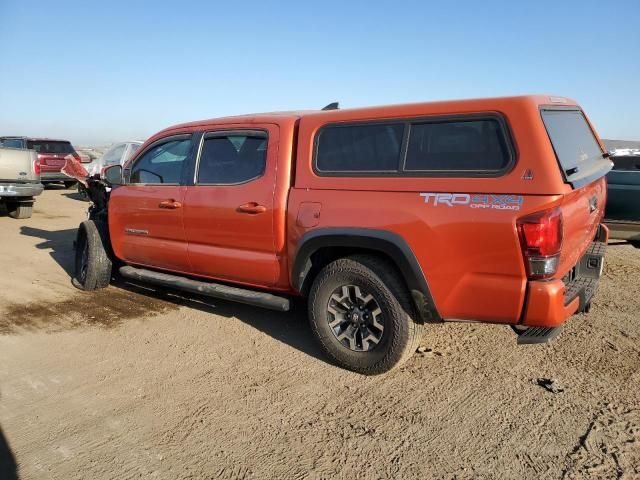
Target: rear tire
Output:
{"points": [[93, 265], [20, 210], [69, 184], [372, 285]]}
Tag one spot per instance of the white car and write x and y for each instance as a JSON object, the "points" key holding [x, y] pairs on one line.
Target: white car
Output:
{"points": [[118, 153]]}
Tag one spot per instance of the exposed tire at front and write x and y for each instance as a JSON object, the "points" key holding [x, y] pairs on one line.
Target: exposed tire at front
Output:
{"points": [[68, 185], [362, 315], [93, 265], [20, 209]]}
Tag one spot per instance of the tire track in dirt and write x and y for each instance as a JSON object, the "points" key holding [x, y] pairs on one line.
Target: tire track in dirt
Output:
{"points": [[610, 446]]}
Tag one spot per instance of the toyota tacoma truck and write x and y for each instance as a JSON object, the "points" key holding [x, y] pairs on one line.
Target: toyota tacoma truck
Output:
{"points": [[19, 180], [384, 219]]}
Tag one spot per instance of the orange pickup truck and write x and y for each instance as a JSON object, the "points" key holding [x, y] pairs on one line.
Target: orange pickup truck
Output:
{"points": [[385, 219]]}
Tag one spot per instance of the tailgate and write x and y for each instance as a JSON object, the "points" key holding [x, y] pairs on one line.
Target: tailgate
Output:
{"points": [[51, 163], [583, 165], [17, 165], [582, 212]]}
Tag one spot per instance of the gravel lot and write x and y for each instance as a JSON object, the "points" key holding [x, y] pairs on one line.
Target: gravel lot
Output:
{"points": [[133, 383]]}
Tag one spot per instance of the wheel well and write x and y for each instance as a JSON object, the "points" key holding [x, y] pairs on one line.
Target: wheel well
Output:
{"points": [[325, 255], [321, 247]]}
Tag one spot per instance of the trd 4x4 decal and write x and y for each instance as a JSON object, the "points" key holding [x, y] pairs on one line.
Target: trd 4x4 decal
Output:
{"points": [[476, 200]]}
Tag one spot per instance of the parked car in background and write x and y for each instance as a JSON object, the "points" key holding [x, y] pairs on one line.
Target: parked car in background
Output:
{"points": [[19, 180], [622, 213], [385, 219], [50, 154], [86, 156], [117, 154]]}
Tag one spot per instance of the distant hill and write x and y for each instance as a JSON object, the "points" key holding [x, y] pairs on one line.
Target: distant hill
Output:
{"points": [[613, 144]]}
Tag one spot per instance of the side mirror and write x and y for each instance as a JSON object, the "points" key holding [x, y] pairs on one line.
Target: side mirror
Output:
{"points": [[113, 175]]}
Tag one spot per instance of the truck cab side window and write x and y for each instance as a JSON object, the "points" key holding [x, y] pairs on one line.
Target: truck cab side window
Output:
{"points": [[12, 143], [232, 159], [162, 164]]}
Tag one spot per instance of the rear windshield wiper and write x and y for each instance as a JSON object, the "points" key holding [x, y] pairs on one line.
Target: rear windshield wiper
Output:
{"points": [[571, 171]]}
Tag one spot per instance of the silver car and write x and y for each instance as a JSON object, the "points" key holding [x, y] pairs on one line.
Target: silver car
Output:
{"points": [[118, 153]]}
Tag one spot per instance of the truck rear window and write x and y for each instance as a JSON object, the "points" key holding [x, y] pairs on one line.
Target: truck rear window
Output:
{"points": [[46, 146], [576, 147]]}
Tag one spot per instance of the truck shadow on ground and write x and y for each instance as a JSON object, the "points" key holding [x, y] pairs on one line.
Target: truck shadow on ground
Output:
{"points": [[8, 465], [133, 300], [76, 196], [60, 243], [290, 328]]}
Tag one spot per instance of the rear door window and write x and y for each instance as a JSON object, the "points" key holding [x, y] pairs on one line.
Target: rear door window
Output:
{"points": [[575, 145], [233, 158], [359, 148], [48, 146], [457, 146]]}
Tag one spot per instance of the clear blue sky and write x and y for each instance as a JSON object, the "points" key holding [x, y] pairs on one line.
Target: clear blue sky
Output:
{"points": [[97, 72]]}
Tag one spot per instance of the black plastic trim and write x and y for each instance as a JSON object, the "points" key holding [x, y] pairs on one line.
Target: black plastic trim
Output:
{"points": [[389, 243], [209, 289]]}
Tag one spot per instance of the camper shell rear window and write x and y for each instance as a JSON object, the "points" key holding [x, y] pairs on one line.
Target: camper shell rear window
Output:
{"points": [[576, 147]]}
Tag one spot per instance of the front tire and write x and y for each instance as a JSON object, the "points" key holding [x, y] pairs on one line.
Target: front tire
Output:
{"points": [[20, 210], [93, 265], [362, 315], [68, 185]]}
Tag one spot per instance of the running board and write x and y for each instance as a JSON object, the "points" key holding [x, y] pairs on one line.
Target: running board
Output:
{"points": [[538, 335], [209, 289]]}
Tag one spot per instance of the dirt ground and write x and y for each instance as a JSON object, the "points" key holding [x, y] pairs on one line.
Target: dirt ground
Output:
{"points": [[132, 383]]}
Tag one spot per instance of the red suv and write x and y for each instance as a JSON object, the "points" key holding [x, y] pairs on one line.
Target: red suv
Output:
{"points": [[385, 219], [51, 155]]}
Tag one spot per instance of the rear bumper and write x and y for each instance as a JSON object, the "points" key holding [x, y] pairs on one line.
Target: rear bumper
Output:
{"points": [[624, 229], [551, 302], [54, 177], [14, 190]]}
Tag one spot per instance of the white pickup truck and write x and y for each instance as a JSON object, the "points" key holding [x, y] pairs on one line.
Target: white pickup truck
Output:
{"points": [[19, 180]]}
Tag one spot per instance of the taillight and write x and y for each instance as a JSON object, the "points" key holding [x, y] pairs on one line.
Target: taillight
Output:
{"points": [[541, 240], [36, 166]]}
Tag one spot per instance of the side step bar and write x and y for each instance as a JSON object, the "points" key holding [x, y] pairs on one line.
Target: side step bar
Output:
{"points": [[216, 290], [538, 335]]}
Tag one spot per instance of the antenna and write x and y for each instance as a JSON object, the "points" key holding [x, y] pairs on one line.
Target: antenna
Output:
{"points": [[332, 106]]}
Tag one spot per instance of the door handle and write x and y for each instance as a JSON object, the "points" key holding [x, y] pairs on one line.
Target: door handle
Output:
{"points": [[252, 208], [170, 204]]}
